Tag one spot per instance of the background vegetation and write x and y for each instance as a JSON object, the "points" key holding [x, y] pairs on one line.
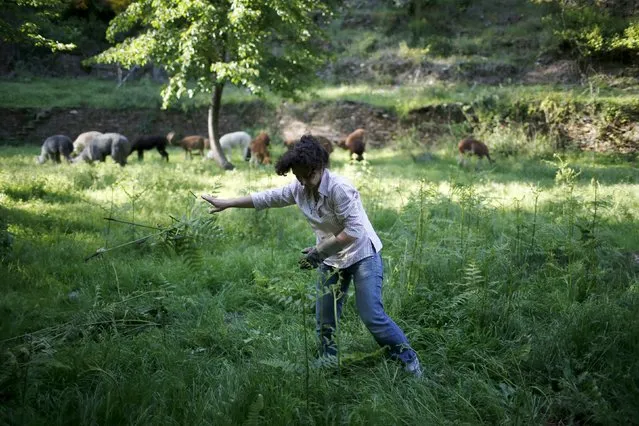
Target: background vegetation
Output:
{"points": [[517, 283]]}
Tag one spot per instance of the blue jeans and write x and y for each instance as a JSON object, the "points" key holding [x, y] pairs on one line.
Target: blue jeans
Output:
{"points": [[367, 275]]}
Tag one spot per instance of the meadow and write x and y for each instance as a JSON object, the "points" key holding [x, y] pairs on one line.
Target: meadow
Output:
{"points": [[125, 302]]}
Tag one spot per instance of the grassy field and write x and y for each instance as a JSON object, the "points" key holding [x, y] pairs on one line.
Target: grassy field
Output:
{"points": [[145, 94], [516, 283]]}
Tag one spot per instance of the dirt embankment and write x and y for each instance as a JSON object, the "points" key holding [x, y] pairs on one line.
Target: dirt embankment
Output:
{"points": [[334, 120]]}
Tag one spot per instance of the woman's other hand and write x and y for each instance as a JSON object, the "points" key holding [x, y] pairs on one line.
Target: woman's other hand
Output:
{"points": [[311, 259]]}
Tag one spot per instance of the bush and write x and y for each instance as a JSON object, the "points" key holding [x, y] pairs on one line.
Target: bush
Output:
{"points": [[596, 32]]}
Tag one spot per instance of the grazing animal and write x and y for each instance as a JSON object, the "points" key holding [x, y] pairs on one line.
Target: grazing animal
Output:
{"points": [[82, 140], [190, 143], [322, 140], [239, 139], [472, 146], [355, 143], [53, 147], [325, 142], [113, 144], [259, 149], [145, 143]]}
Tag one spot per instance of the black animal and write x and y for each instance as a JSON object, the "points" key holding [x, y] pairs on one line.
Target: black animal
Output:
{"points": [[113, 144], [145, 143], [53, 147]]}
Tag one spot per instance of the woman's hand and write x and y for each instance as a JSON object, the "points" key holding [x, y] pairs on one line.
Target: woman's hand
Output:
{"points": [[312, 258], [218, 204]]}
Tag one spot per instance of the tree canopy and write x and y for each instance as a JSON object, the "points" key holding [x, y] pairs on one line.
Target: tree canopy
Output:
{"points": [[32, 22], [205, 44]]}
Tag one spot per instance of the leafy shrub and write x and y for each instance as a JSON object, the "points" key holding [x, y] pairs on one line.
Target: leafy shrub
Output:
{"points": [[511, 139], [594, 31]]}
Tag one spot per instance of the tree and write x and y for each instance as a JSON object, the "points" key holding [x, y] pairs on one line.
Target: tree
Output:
{"points": [[31, 22], [206, 44]]}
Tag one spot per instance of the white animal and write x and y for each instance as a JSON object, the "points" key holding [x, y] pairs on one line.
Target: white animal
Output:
{"points": [[239, 139], [83, 140]]}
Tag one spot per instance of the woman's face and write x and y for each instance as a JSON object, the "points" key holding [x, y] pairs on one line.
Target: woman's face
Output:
{"points": [[309, 178]]}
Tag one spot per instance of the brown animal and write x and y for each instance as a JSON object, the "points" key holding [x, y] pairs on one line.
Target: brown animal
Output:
{"points": [[190, 143], [324, 141], [472, 146], [259, 149], [355, 143]]}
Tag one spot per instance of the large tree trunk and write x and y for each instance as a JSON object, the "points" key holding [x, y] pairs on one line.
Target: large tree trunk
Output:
{"points": [[214, 128]]}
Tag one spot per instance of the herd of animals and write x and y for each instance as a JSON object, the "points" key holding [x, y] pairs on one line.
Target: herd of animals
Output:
{"points": [[96, 146]]}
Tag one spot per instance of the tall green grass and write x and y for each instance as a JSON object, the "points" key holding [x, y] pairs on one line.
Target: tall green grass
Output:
{"points": [[516, 284]]}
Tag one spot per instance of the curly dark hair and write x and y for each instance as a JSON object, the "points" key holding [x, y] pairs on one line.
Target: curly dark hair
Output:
{"points": [[305, 153]]}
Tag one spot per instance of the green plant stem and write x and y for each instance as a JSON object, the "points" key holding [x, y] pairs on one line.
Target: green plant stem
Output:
{"points": [[306, 365]]}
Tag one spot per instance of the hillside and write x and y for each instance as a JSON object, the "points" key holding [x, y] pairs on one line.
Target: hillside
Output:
{"points": [[498, 59], [381, 42]]}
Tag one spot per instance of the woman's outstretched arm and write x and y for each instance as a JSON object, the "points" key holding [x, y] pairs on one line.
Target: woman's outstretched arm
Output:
{"points": [[220, 204]]}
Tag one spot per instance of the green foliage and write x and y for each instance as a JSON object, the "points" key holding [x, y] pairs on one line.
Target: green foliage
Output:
{"points": [[566, 175], [247, 44], [253, 418], [629, 40], [32, 22], [595, 31]]}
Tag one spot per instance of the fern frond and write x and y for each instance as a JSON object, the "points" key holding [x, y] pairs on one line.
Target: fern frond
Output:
{"points": [[325, 362], [254, 411], [192, 255], [472, 275], [461, 300], [98, 295]]}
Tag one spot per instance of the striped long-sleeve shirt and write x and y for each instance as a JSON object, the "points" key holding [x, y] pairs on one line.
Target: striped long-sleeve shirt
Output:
{"points": [[339, 208]]}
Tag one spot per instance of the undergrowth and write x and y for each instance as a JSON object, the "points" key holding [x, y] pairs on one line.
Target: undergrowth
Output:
{"points": [[124, 301]]}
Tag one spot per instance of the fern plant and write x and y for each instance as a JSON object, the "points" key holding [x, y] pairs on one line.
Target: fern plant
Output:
{"points": [[253, 416], [184, 236]]}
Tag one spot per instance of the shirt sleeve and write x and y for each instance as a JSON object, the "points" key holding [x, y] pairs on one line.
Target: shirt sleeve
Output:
{"points": [[280, 197], [349, 210]]}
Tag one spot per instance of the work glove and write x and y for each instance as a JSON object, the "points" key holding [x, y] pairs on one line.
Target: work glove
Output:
{"points": [[311, 258]]}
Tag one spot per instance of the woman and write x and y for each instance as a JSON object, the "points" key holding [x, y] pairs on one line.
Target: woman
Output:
{"points": [[347, 248]]}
